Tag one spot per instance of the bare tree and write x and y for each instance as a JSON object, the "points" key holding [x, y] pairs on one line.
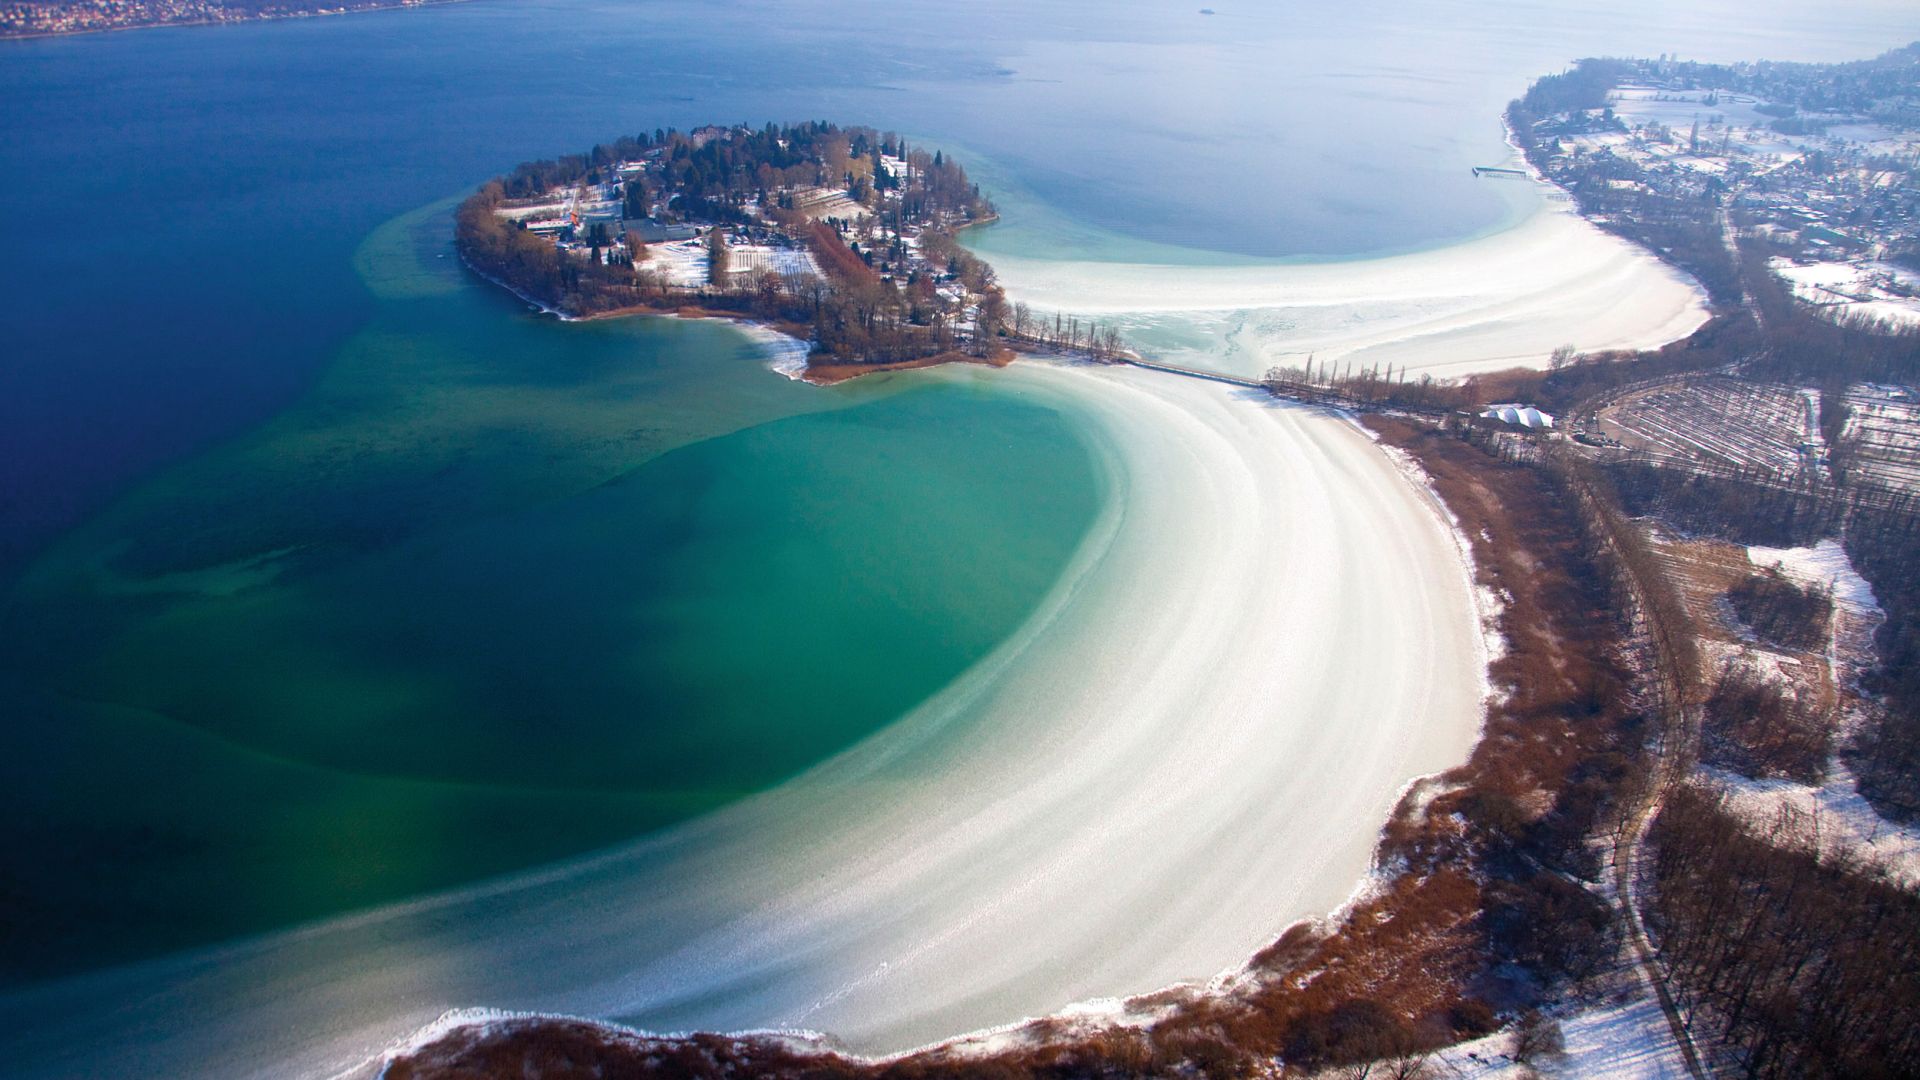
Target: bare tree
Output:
{"points": [[717, 257], [1537, 1036]]}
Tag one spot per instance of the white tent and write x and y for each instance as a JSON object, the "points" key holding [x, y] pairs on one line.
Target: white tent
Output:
{"points": [[1525, 416]]}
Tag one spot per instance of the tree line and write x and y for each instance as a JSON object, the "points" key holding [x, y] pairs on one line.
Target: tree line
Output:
{"points": [[1884, 546], [1807, 958]]}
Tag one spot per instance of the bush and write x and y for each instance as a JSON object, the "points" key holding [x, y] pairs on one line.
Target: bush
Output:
{"points": [[1781, 613], [1537, 1036], [1756, 728]]}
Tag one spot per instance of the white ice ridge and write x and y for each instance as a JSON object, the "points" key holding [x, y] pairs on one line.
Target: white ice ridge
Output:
{"points": [[1192, 744], [786, 354], [1506, 300]]}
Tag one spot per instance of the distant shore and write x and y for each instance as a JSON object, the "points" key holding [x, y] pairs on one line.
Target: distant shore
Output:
{"points": [[9, 34]]}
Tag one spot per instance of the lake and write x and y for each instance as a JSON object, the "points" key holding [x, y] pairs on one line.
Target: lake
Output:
{"points": [[334, 576]]}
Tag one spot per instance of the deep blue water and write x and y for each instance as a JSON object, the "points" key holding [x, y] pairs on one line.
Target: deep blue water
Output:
{"points": [[181, 202]]}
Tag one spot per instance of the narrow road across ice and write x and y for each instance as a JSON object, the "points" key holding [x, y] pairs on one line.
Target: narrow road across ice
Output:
{"points": [[1192, 744]]}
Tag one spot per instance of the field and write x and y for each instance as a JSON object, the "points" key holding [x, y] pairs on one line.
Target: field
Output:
{"points": [[1722, 422], [761, 259], [1881, 439]]}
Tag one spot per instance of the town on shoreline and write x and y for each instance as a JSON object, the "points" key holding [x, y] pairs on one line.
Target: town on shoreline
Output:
{"points": [[56, 18]]}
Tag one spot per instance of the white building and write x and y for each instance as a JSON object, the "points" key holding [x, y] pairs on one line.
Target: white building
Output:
{"points": [[1525, 416]]}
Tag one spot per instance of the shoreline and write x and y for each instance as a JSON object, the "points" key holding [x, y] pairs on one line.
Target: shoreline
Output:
{"points": [[796, 367], [1227, 585], [399, 5], [772, 337], [1373, 885], [833, 374], [1136, 1010], [1402, 921], [1503, 300], [1370, 884], [1377, 882], [1072, 738]]}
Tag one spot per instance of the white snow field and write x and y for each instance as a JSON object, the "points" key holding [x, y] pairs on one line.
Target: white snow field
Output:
{"points": [[1192, 744], [1502, 301], [1831, 817], [1824, 565], [1621, 1037]]}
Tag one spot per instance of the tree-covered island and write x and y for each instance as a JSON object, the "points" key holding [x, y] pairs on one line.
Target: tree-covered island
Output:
{"points": [[841, 236]]}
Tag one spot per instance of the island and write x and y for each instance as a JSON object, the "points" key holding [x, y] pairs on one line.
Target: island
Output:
{"points": [[841, 237]]}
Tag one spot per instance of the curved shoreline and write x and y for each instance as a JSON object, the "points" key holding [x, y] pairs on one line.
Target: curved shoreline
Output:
{"points": [[1092, 1014], [1506, 299], [1094, 782], [875, 930], [789, 350]]}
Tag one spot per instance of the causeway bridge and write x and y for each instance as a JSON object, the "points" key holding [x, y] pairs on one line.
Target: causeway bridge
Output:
{"points": [[1193, 373]]}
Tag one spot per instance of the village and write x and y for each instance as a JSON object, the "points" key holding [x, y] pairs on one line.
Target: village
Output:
{"points": [[1792, 193], [42, 18], [627, 212], [844, 238], [1821, 163]]}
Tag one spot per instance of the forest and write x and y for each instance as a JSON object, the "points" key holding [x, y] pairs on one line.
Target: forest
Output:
{"points": [[1781, 613], [1806, 958]]}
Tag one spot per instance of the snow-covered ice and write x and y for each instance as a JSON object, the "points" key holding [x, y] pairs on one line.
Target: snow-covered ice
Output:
{"points": [[1505, 300], [1191, 745]]}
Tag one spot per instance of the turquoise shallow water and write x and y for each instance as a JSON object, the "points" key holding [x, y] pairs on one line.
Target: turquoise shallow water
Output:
{"points": [[498, 590]]}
